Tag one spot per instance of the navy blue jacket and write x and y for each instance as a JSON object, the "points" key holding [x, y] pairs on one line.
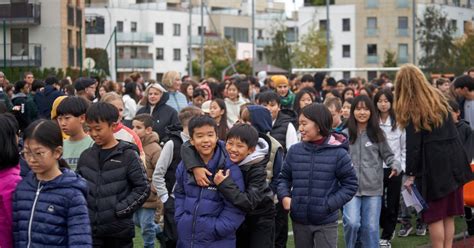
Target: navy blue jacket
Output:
{"points": [[44, 100], [319, 179], [56, 212], [203, 217]]}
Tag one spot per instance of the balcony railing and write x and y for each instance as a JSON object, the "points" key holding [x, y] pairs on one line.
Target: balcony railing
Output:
{"points": [[371, 4], [403, 4], [19, 54], [402, 59], [21, 13], [372, 59], [404, 32], [263, 43], [135, 37], [371, 32], [139, 63], [196, 39]]}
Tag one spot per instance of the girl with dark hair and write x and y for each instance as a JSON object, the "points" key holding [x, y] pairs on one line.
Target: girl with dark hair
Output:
{"points": [[187, 88], [317, 179], [51, 197], [369, 150], [130, 99], [348, 93], [218, 112], [391, 186], [233, 101], [303, 98], [9, 175]]}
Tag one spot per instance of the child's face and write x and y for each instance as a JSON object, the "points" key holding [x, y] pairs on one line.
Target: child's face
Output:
{"points": [[190, 90], [348, 94], [204, 139], [362, 113], [444, 87], [102, 91], [237, 149], [101, 132], [232, 92], [41, 159], [70, 124], [282, 89], [273, 107], [140, 129], [346, 110], [340, 87], [119, 105], [197, 101], [336, 116], [215, 111], [309, 130], [305, 100], [383, 104]]}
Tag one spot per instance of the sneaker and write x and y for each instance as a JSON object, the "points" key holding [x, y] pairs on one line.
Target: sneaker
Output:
{"points": [[385, 243], [405, 230], [421, 229]]}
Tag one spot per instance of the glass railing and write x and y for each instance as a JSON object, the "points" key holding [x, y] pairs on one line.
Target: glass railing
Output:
{"points": [[135, 37], [372, 59], [403, 4], [403, 32], [19, 54], [371, 4], [21, 13], [370, 32], [402, 59], [139, 63]]}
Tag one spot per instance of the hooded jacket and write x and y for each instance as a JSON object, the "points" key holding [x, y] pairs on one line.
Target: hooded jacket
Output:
{"points": [[203, 216], [466, 134], [117, 188], [319, 179], [52, 213], [44, 100], [280, 127], [152, 149], [27, 113], [9, 178], [162, 114]]}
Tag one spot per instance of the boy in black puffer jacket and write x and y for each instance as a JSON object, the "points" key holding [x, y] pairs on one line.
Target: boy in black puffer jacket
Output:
{"points": [[116, 178]]}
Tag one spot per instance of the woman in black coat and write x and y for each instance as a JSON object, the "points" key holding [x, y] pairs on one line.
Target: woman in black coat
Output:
{"points": [[435, 159]]}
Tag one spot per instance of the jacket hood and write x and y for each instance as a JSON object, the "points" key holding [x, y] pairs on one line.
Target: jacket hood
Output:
{"points": [[68, 179], [164, 98], [261, 150], [334, 140], [260, 118], [18, 95], [152, 138], [48, 89]]}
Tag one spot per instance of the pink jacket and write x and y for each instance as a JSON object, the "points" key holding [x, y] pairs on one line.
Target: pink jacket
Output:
{"points": [[9, 178]]}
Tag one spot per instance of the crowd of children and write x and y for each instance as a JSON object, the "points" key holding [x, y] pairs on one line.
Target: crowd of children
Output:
{"points": [[221, 164]]}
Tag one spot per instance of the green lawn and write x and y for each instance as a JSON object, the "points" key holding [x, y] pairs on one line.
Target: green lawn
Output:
{"points": [[411, 241]]}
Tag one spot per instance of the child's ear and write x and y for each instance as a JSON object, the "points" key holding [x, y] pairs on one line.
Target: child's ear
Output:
{"points": [[113, 125], [252, 150], [82, 118], [58, 152], [148, 130]]}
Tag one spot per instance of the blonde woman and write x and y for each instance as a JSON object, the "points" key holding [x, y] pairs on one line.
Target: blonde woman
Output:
{"points": [[435, 160], [172, 82]]}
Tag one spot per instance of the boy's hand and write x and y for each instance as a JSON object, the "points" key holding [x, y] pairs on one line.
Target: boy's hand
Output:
{"points": [[286, 202], [220, 176], [394, 173], [200, 174]]}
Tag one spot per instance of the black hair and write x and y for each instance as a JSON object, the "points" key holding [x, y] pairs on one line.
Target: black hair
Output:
{"points": [[51, 81], [375, 133], [369, 89], [218, 92], [245, 133], [48, 134], [331, 82], [319, 114], [267, 97], [318, 80], [146, 119], [389, 95], [344, 93], [130, 89], [307, 78], [201, 121], [37, 84], [3, 108], [464, 81], [298, 96], [244, 86], [334, 92], [222, 128], [19, 85], [253, 81], [10, 155], [102, 111], [292, 76], [199, 92], [342, 81], [72, 105]]}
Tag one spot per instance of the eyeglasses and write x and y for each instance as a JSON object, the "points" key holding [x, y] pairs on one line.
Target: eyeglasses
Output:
{"points": [[28, 155]]}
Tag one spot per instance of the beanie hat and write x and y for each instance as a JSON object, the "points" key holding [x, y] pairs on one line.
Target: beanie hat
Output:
{"points": [[83, 82], [279, 80]]}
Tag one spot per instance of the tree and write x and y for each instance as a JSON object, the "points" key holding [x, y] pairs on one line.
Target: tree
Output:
{"points": [[435, 35], [465, 54], [390, 61], [278, 54], [312, 50], [319, 2]]}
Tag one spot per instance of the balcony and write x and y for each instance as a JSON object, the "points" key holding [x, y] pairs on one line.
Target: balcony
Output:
{"points": [[263, 43], [402, 59], [136, 37], [371, 32], [402, 4], [372, 59], [196, 39], [138, 63], [18, 55], [21, 13], [403, 32], [371, 4]]}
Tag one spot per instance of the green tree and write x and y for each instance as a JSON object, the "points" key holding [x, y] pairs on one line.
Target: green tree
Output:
{"points": [[390, 60], [101, 59], [311, 51], [435, 36], [320, 2], [278, 54], [465, 54]]}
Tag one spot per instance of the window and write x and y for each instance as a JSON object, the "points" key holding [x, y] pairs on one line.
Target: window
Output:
{"points": [[201, 30], [133, 27], [19, 40], [95, 25], [346, 74], [236, 34], [454, 24], [372, 4], [121, 52], [403, 22], [403, 4], [160, 54], [69, 38], [402, 53], [177, 54], [176, 29], [259, 34], [346, 51], [119, 26], [133, 52], [159, 77], [159, 28], [372, 49], [323, 25], [372, 22], [260, 56], [346, 24]]}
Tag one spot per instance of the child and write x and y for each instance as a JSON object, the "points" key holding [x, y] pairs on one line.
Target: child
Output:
{"points": [[303, 98], [369, 150], [218, 112], [287, 97], [443, 85], [164, 176], [199, 96], [71, 116], [346, 108], [466, 134], [233, 103], [117, 181], [203, 217], [144, 217], [396, 139], [49, 204], [317, 179], [334, 106], [9, 175]]}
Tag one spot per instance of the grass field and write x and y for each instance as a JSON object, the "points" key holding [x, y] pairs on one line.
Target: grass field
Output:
{"points": [[411, 241]]}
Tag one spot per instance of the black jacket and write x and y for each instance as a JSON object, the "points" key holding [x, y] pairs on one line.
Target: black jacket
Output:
{"points": [[437, 159], [279, 128], [163, 115], [44, 100], [117, 189], [467, 138], [27, 112]]}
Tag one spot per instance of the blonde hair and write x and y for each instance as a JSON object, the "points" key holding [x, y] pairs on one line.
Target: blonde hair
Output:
{"points": [[110, 97], [169, 77], [417, 101], [144, 100]]}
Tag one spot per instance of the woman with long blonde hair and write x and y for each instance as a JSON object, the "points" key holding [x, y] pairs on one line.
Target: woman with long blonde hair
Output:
{"points": [[435, 159]]}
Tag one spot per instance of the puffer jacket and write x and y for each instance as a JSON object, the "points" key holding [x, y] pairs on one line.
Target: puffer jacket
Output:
{"points": [[319, 179], [280, 127], [203, 217], [117, 189], [53, 213], [152, 153], [9, 178]]}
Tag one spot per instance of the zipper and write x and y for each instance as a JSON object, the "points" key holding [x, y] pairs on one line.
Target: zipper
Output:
{"points": [[194, 218], [310, 182], [360, 160], [33, 213]]}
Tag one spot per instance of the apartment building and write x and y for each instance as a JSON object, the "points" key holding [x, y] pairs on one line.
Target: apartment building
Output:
{"points": [[42, 33]]}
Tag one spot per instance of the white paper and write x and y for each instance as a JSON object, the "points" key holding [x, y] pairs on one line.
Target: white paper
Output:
{"points": [[411, 200]]}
